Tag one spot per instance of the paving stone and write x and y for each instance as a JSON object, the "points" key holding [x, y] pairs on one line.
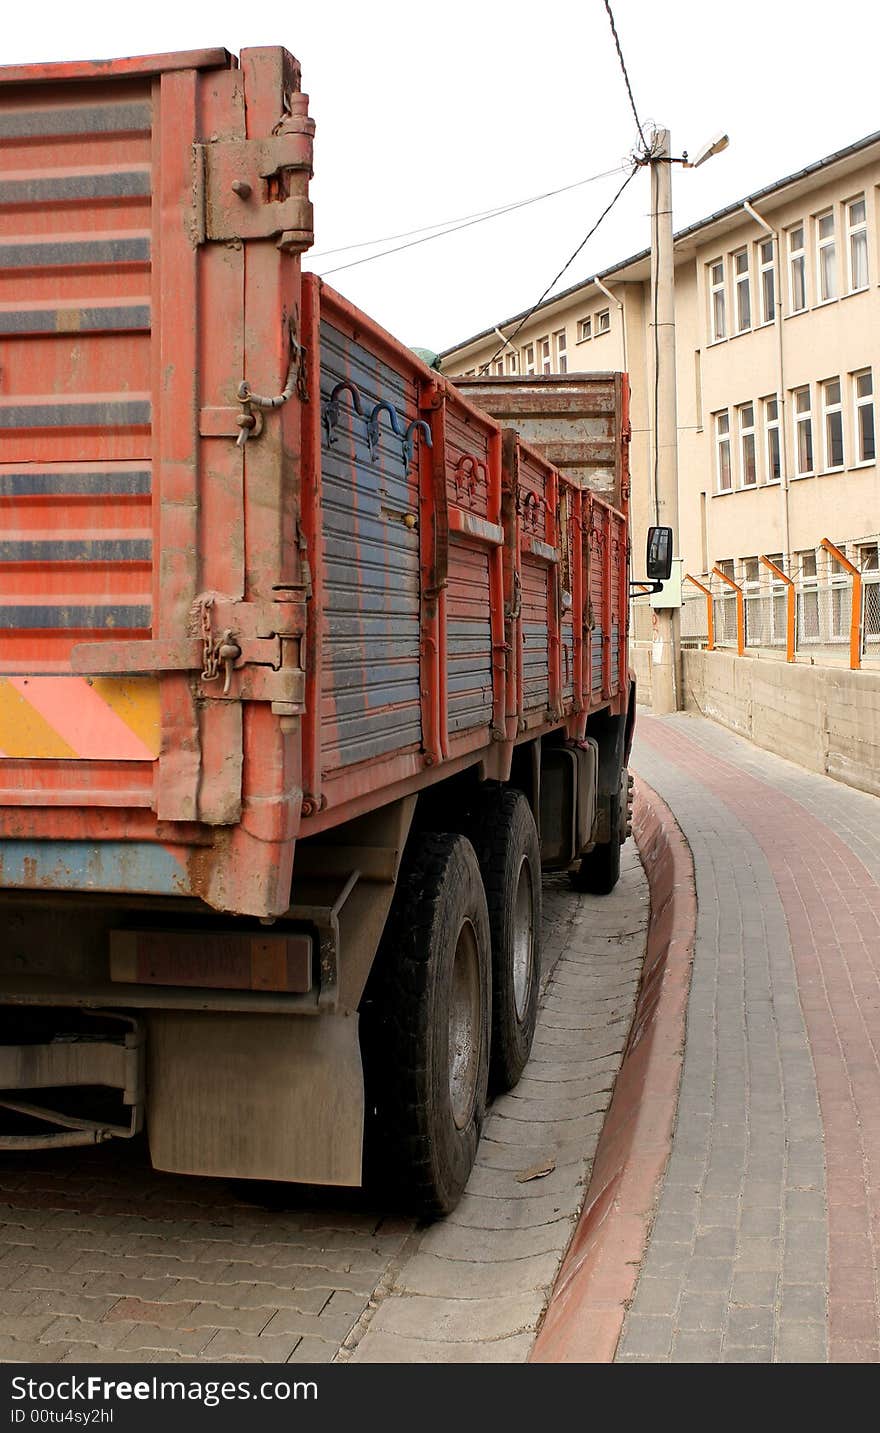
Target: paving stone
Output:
{"points": [[391, 1348], [463, 1279]]}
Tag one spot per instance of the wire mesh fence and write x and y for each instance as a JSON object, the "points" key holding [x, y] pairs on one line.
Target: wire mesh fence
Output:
{"points": [[831, 619]]}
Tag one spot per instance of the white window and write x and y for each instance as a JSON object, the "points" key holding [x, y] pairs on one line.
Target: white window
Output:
{"points": [[826, 257], [797, 270], [803, 430], [561, 351], [603, 321], [748, 452], [832, 409], [722, 451], [498, 366], [742, 290], [529, 358], [544, 351], [768, 281], [725, 564], [863, 393], [857, 245], [585, 329], [869, 557], [771, 432], [716, 300], [510, 362]]}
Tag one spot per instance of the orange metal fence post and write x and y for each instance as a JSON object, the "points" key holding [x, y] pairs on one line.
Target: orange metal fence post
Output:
{"points": [[789, 606], [740, 610], [855, 622], [710, 615]]}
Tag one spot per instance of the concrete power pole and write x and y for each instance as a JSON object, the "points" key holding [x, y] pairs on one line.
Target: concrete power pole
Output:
{"points": [[666, 663]]}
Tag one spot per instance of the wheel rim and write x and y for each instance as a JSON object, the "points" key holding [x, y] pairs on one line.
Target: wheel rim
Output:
{"points": [[523, 938], [464, 1026]]}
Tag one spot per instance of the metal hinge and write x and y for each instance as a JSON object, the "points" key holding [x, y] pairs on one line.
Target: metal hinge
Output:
{"points": [[258, 188]]}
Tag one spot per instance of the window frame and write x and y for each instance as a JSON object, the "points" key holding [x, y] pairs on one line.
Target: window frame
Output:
{"points": [[822, 248], [560, 345], [797, 261], [717, 290], [772, 425], [859, 403], [528, 353], [585, 329], [511, 363], [830, 412], [856, 231], [742, 284], [722, 441], [544, 355], [767, 267], [747, 437], [803, 418], [603, 321]]}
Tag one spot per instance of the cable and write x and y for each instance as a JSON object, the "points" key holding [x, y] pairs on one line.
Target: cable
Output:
{"points": [[455, 228], [524, 320], [463, 218], [626, 79]]}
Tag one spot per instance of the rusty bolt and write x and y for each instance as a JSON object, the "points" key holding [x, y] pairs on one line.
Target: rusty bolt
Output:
{"points": [[430, 759], [241, 188]]}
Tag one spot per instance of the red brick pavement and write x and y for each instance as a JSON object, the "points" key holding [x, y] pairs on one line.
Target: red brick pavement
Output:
{"points": [[832, 907]]}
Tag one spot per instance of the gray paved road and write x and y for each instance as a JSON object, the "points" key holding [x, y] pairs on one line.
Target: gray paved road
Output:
{"points": [[102, 1259]]}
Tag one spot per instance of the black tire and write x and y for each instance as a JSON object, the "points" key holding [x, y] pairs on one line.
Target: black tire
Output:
{"points": [[425, 1023], [598, 872], [506, 842]]}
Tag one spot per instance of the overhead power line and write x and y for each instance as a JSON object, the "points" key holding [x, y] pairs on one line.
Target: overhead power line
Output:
{"points": [[567, 265], [626, 79], [455, 226]]}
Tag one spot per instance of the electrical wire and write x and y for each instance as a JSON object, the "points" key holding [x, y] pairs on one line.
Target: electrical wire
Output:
{"points": [[456, 228], [626, 79], [567, 265], [442, 224]]}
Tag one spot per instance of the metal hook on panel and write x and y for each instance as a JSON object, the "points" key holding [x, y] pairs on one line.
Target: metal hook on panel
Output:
{"points": [[409, 440], [466, 476], [330, 410], [373, 425]]}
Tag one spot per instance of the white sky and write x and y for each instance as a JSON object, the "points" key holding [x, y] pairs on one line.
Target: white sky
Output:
{"points": [[434, 111]]}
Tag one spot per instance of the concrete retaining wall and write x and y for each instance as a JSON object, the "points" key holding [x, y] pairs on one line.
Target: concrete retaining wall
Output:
{"points": [[825, 718]]}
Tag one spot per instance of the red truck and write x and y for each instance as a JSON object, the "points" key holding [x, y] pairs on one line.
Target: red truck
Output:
{"points": [[309, 664]]}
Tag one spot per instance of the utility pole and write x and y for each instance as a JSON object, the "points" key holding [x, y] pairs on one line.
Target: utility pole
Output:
{"points": [[666, 659]]}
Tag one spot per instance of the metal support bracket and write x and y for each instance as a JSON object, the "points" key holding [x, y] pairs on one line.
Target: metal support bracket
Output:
{"points": [[258, 188]]}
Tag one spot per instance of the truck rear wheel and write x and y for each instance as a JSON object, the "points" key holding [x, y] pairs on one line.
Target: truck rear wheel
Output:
{"points": [[598, 872], [506, 842], [425, 1027]]}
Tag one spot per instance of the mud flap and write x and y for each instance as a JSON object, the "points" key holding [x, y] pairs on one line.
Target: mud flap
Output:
{"points": [[256, 1096]]}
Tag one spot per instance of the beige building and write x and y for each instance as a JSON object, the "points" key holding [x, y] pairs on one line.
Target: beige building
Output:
{"points": [[778, 360]]}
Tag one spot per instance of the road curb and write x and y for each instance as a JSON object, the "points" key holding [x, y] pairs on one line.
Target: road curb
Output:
{"points": [[598, 1276]]}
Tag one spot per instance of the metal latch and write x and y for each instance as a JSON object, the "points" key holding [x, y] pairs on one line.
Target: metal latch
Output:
{"points": [[258, 188]]}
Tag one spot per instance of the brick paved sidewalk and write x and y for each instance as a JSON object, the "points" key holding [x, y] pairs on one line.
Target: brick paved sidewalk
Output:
{"points": [[766, 1237]]}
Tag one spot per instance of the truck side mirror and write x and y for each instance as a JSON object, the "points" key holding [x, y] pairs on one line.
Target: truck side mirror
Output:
{"points": [[658, 559]]}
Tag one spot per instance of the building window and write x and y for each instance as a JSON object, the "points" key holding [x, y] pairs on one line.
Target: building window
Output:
{"points": [[857, 246], [869, 557], [826, 257], [561, 351], [771, 430], [544, 352], [748, 452], [803, 430], [603, 321], [797, 271], [768, 281], [808, 597], [529, 358], [498, 366], [716, 291], [510, 362], [742, 290], [863, 387], [722, 451], [833, 415], [585, 329]]}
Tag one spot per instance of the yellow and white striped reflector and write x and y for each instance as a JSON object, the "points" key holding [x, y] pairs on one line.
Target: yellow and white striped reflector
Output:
{"points": [[79, 718]]}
